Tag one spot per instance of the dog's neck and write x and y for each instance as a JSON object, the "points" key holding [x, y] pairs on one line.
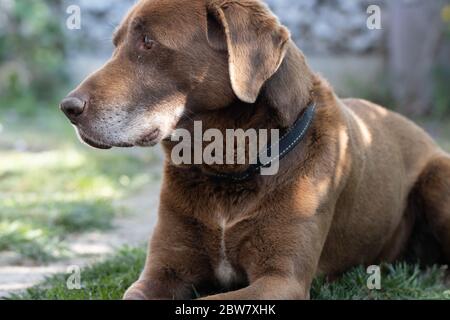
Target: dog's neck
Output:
{"points": [[289, 90]]}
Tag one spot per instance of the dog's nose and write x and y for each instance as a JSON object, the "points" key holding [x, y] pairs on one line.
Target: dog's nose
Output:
{"points": [[73, 107]]}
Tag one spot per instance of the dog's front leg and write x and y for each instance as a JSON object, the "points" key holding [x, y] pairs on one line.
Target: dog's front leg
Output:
{"points": [[268, 288], [175, 265]]}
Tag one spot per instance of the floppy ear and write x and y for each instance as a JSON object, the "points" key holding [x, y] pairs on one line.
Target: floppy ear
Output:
{"points": [[255, 40]]}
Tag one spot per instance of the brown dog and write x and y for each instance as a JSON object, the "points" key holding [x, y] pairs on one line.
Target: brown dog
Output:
{"points": [[357, 190]]}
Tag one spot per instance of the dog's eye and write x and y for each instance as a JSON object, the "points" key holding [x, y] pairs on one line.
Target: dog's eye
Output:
{"points": [[147, 43]]}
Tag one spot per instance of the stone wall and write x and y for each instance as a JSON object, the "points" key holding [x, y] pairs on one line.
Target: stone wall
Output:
{"points": [[318, 26], [329, 26]]}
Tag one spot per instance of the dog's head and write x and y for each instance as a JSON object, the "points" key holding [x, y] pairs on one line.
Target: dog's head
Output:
{"points": [[174, 55]]}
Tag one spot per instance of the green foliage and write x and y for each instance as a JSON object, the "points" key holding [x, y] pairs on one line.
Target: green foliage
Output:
{"points": [[32, 49], [379, 93], [442, 91], [110, 279], [442, 80]]}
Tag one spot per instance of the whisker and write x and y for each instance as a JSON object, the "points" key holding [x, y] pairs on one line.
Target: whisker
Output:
{"points": [[113, 25]]}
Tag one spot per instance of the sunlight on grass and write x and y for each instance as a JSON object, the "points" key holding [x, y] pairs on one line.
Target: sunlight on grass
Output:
{"points": [[30, 241]]}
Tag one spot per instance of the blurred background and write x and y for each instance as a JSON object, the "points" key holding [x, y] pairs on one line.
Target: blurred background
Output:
{"points": [[63, 204]]}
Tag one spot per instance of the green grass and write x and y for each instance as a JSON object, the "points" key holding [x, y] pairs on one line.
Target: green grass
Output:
{"points": [[399, 281], [51, 185], [110, 279], [104, 281]]}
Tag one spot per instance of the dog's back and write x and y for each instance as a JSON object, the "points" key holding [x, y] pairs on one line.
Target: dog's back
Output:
{"points": [[389, 154], [382, 127]]}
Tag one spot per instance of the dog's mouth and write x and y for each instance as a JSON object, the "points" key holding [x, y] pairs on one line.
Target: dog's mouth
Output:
{"points": [[148, 140], [92, 142], [100, 145]]}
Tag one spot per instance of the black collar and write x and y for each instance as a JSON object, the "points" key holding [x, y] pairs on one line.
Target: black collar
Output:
{"points": [[287, 143]]}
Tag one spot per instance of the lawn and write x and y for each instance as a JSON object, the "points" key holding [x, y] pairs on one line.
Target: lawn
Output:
{"points": [[110, 279], [52, 186]]}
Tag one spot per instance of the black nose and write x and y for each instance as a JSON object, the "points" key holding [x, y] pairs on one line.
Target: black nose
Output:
{"points": [[72, 107]]}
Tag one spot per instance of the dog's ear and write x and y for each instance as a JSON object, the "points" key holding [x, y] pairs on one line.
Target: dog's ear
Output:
{"points": [[255, 40]]}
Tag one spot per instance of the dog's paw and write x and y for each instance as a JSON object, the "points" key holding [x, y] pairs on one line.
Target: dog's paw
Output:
{"points": [[134, 295], [136, 292]]}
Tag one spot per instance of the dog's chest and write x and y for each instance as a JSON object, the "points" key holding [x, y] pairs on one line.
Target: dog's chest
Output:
{"points": [[224, 270]]}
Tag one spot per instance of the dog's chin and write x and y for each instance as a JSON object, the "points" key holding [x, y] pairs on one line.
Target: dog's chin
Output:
{"points": [[148, 140], [92, 143]]}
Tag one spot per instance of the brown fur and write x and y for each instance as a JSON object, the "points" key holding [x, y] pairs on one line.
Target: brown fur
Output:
{"points": [[351, 193]]}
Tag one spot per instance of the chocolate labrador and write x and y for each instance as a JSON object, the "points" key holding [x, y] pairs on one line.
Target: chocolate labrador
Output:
{"points": [[358, 185]]}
